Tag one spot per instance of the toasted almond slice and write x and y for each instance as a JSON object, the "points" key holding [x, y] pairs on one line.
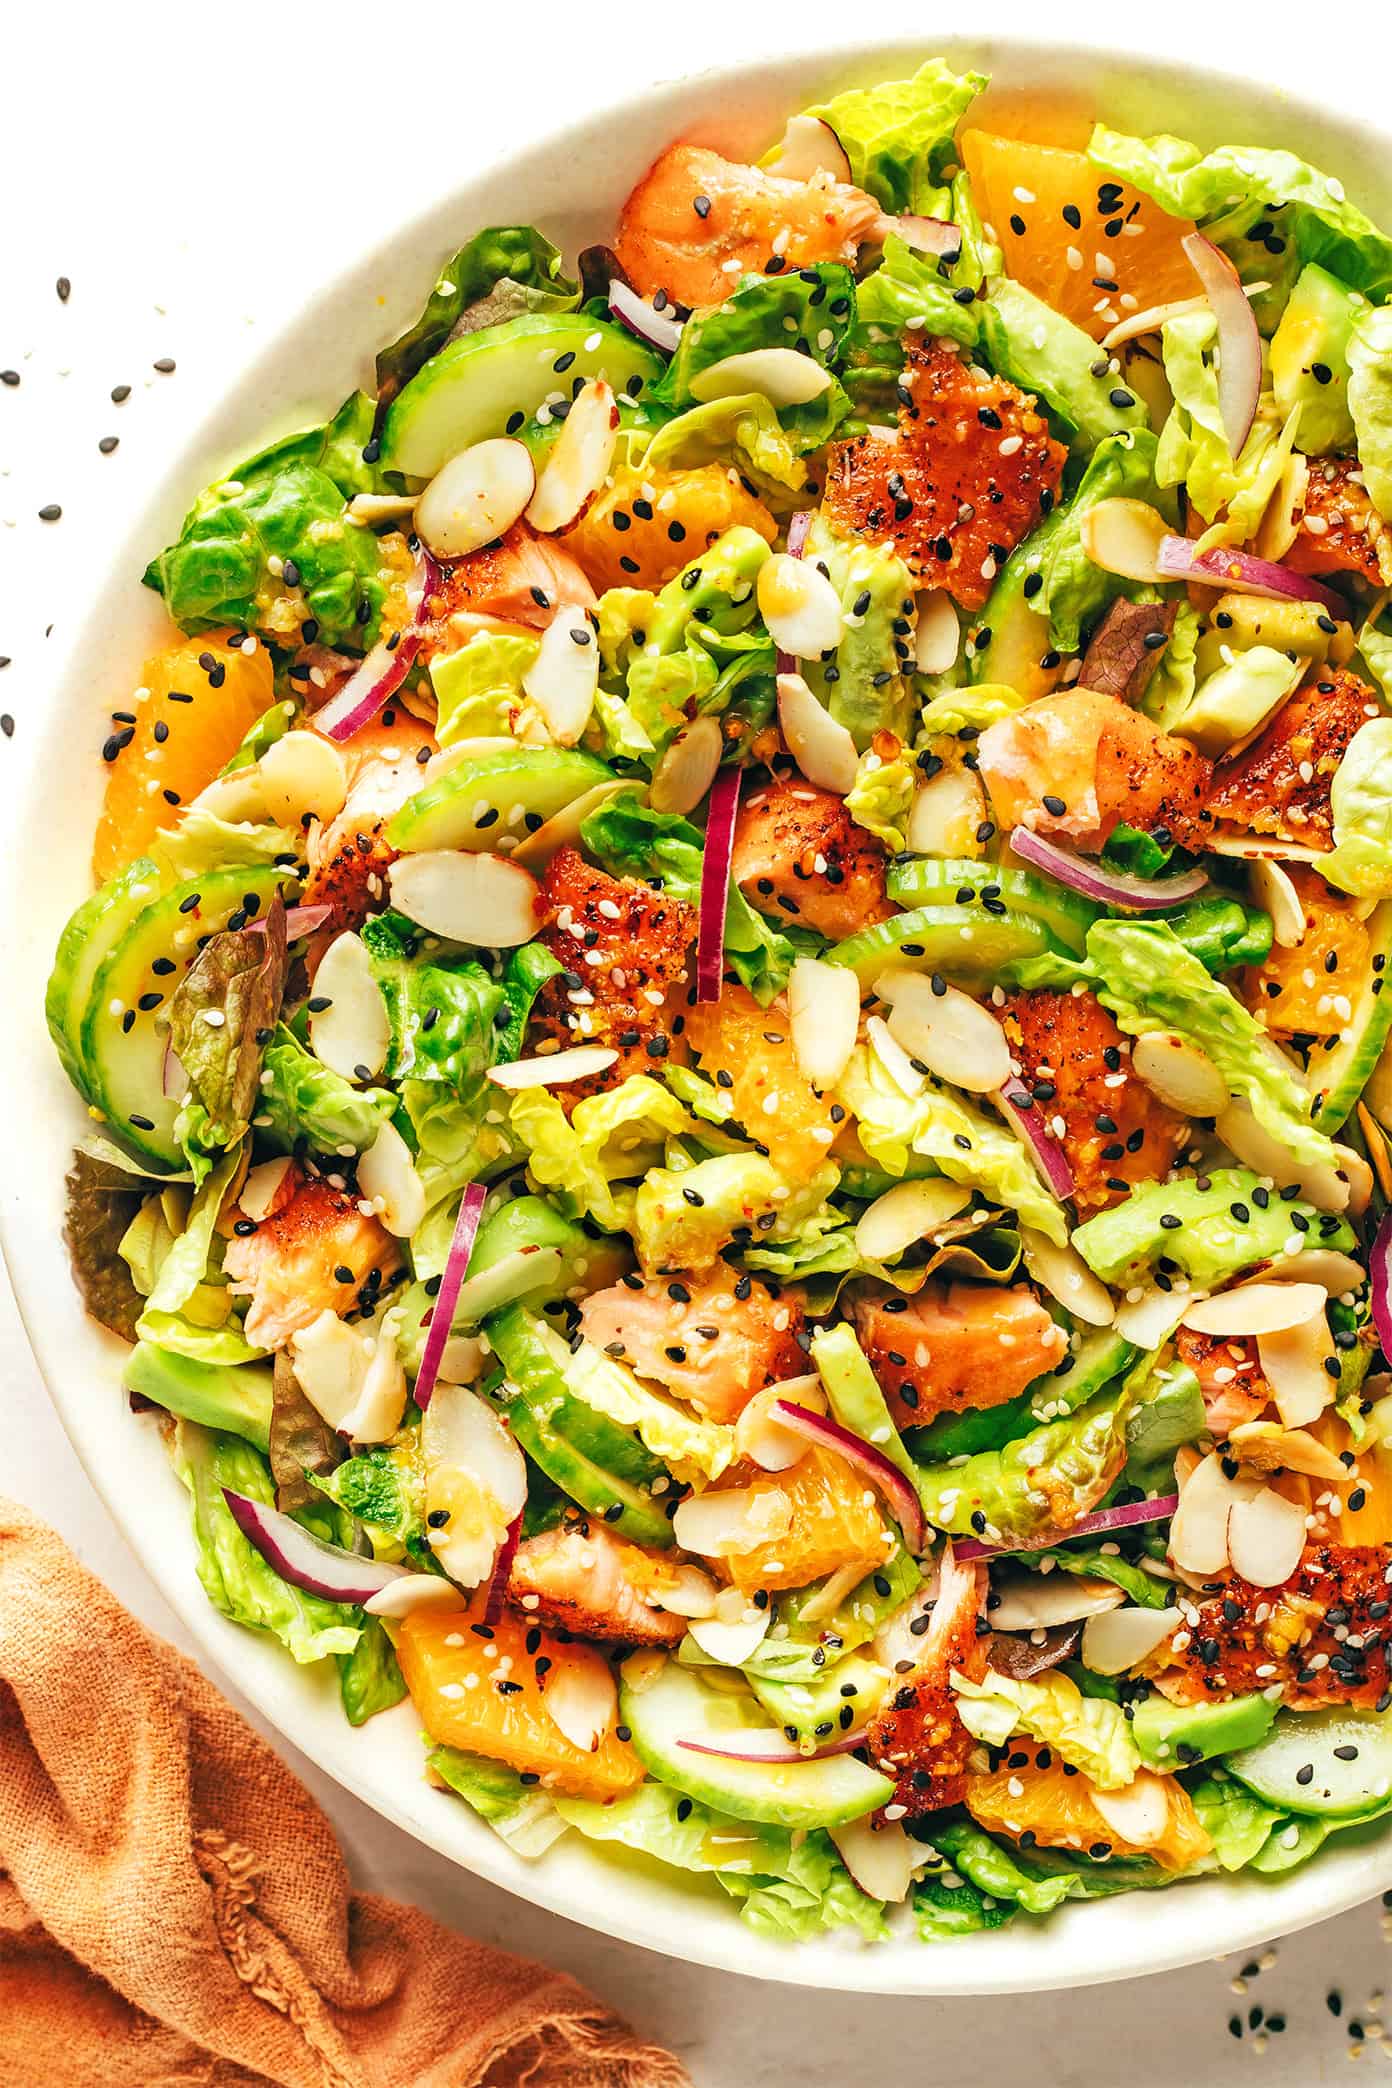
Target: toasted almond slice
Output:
{"points": [[564, 677], [1334, 1272], [1123, 536], [879, 1855], [387, 1178], [689, 1593], [799, 605], [476, 497], [951, 1034], [1280, 525], [687, 769], [807, 148], [1293, 1362], [737, 1629], [906, 1214], [1151, 320], [1120, 1639], [1149, 1320], [1359, 1176], [481, 899], [1039, 1601], [938, 637], [555, 1068], [893, 1057], [822, 749], [535, 851], [1254, 1146], [1251, 848], [946, 814], [1199, 1528], [1067, 1277], [763, 1438], [262, 1186], [1270, 884], [303, 772], [352, 1033], [474, 1472], [1184, 1078], [734, 1519], [376, 508], [412, 1592], [1266, 1536], [1263, 1446], [1140, 1813], [824, 1016], [1256, 1308], [783, 375], [579, 463], [582, 1699]]}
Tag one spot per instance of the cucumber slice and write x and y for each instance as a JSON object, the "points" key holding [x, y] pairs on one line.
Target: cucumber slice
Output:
{"points": [[529, 1253], [961, 942], [937, 881], [678, 1707], [1339, 1074], [124, 1058], [1348, 1754], [492, 382], [475, 802], [599, 1464], [86, 942]]}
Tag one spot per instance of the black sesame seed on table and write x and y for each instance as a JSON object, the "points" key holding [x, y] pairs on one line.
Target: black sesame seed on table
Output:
{"points": [[51, 513], [165, 365]]}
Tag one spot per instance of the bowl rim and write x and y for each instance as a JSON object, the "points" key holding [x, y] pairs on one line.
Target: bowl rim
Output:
{"points": [[1210, 1917]]}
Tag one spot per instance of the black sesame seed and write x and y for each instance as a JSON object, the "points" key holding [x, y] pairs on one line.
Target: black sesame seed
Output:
{"points": [[165, 365]]}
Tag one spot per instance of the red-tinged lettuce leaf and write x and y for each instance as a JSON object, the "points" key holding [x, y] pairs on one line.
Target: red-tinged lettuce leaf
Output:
{"points": [[1126, 648], [102, 1200], [301, 1442], [221, 1018]]}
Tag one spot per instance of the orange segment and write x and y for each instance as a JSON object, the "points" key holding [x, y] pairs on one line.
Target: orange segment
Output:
{"points": [[625, 537], [478, 1690], [833, 1520], [1122, 245], [177, 746], [772, 1096], [1291, 992], [1057, 1808], [1357, 1510]]}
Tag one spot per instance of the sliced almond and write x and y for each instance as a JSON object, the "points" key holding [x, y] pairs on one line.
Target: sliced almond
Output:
{"points": [[1039, 1601], [736, 1630], [1183, 1077], [1280, 525], [1138, 1814], [687, 769], [763, 1438], [376, 508], [1263, 1446], [946, 814], [879, 1855], [1293, 1362], [387, 1178], [1359, 1176], [579, 462], [1270, 885], [1256, 1308], [732, 1520], [826, 1600], [1266, 1536], [562, 830], [556, 1068], [906, 1214], [822, 749], [947, 1031], [808, 148], [1123, 536], [1334, 1272], [1199, 1528], [351, 1034], [783, 375], [893, 1057], [413, 1591], [481, 899], [302, 772], [564, 677], [1151, 320], [823, 1018], [352, 1375], [1149, 1320], [1324, 1186], [476, 497], [475, 1482], [1121, 1639], [689, 1593], [1067, 1277], [938, 636], [1252, 848], [262, 1187], [799, 605], [582, 1699]]}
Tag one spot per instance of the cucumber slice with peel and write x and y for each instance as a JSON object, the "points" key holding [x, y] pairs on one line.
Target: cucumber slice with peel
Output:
{"points": [[497, 796], [89, 938], [668, 1708], [1332, 1764], [961, 942], [1339, 1072], [937, 881]]}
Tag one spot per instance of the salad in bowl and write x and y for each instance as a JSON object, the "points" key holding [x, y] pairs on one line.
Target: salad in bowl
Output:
{"points": [[733, 1025]]}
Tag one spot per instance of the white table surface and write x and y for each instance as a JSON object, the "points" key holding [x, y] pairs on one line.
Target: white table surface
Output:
{"points": [[178, 166]]}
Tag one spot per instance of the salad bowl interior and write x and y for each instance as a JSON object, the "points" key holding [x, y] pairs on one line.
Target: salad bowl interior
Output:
{"points": [[572, 186]]}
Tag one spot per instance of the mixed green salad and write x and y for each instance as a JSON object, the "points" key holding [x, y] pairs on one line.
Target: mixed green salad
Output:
{"points": [[734, 1033]]}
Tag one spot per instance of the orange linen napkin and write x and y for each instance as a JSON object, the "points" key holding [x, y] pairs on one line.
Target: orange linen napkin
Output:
{"points": [[174, 1908]]}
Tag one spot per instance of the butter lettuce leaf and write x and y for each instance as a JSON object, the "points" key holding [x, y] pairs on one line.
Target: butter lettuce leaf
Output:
{"points": [[478, 690], [1089, 1733], [692, 1449], [1370, 402], [1045, 1480], [595, 1159], [898, 136], [1360, 799]]}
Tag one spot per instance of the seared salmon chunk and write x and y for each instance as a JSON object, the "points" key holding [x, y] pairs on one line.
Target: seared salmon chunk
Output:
{"points": [[800, 857], [955, 1345]]}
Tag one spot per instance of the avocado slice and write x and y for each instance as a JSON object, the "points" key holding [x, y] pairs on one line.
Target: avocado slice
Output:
{"points": [[1172, 1736], [1339, 1072], [1236, 700], [842, 1697], [527, 1251], [1309, 360], [1236, 623], [231, 1396]]}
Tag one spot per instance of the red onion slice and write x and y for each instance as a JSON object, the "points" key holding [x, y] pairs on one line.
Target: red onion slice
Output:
{"points": [[715, 883], [658, 329], [1239, 342], [927, 235], [898, 1490], [1107, 887], [1380, 1273], [798, 530], [1019, 1107], [307, 1561], [386, 667], [447, 1297], [502, 1568], [778, 1752], [1127, 1518], [1240, 573]]}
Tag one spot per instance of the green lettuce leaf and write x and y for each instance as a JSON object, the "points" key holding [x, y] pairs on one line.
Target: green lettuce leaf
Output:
{"points": [[1232, 494], [502, 272], [1034, 346], [1360, 799], [995, 1869], [1234, 1818], [304, 1100], [692, 1449], [808, 309], [905, 293], [1044, 1480], [525, 1817], [478, 690], [369, 1678], [1073, 592], [1089, 1733], [1370, 402], [383, 1488], [201, 841], [594, 1159], [1171, 686], [441, 1010], [744, 432], [684, 1217], [898, 136], [189, 1308]]}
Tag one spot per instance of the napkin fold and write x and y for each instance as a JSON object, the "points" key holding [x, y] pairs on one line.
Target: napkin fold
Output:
{"points": [[174, 1907]]}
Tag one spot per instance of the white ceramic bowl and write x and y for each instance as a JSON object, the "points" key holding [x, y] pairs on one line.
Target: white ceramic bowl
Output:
{"points": [[572, 186]]}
